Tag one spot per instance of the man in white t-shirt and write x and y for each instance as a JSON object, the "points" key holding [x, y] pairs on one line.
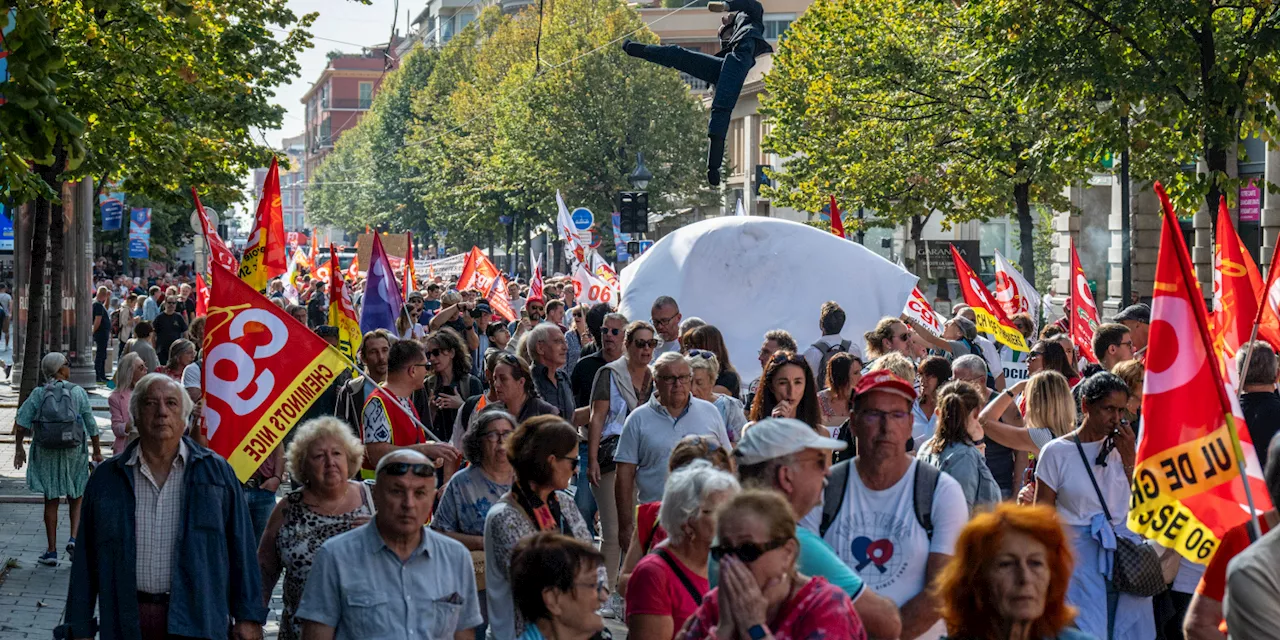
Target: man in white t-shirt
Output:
{"points": [[879, 524]]}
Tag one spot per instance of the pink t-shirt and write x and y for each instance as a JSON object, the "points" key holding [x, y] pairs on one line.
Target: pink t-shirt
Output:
{"points": [[818, 611], [656, 590]]}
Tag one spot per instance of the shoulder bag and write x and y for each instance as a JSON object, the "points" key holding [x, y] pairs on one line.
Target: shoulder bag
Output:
{"points": [[1136, 569]]}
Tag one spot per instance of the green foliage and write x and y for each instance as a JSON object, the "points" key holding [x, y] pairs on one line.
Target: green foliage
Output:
{"points": [[489, 129], [1194, 76], [888, 105], [1042, 246]]}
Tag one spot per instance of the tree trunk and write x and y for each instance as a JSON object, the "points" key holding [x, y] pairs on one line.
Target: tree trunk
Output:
{"points": [[1026, 231], [57, 258], [33, 345], [914, 233]]}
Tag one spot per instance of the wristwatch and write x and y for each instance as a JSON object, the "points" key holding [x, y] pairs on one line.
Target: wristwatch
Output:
{"points": [[757, 632]]}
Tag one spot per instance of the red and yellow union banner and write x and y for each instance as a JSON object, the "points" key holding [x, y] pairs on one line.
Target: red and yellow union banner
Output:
{"points": [[262, 371]]}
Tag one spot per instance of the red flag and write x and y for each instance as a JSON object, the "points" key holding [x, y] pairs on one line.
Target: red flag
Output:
{"points": [[353, 271], [218, 251], [262, 371], [1083, 312], [990, 317], [1237, 287], [264, 256], [535, 281], [409, 277], [837, 224], [1184, 494], [202, 296], [498, 300], [477, 272]]}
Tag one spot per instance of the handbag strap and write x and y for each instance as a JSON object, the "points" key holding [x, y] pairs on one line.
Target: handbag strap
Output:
{"points": [[688, 584], [1089, 468]]}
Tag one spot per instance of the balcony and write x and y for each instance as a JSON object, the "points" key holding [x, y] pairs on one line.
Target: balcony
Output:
{"points": [[346, 104], [695, 85], [514, 6]]}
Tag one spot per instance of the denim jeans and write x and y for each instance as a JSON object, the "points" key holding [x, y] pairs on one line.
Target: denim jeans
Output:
{"points": [[582, 494], [261, 503]]}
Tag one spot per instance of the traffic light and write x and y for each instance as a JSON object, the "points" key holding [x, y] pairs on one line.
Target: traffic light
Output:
{"points": [[633, 211]]}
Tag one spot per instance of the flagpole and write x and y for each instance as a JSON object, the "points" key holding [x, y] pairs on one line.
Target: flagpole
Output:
{"points": [[1188, 279]]}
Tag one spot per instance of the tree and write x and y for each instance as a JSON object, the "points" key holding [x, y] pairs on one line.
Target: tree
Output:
{"points": [[887, 105], [515, 108], [1202, 72]]}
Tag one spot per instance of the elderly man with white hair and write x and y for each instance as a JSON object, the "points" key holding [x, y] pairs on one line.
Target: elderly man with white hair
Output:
{"points": [[60, 422], [166, 547], [652, 431]]}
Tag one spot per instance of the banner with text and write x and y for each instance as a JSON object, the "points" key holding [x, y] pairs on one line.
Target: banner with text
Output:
{"points": [[991, 318], [139, 232]]}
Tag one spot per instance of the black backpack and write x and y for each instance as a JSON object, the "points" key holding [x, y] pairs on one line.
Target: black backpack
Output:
{"points": [[926, 476], [820, 376]]}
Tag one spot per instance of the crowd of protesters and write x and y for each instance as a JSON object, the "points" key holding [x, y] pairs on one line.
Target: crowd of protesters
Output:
{"points": [[485, 479]]}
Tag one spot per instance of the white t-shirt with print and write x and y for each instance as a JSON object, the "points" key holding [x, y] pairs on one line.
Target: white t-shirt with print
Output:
{"points": [[1062, 470], [877, 535]]}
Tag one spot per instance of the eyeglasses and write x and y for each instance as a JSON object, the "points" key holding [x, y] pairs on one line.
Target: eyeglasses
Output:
{"points": [[673, 380], [1034, 354], [420, 469], [701, 353], [645, 344], [435, 353], [577, 315], [747, 552], [1127, 343], [903, 337], [871, 416], [661, 321], [498, 436]]}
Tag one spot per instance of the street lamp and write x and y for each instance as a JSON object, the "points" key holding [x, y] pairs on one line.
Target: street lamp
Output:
{"points": [[640, 178]]}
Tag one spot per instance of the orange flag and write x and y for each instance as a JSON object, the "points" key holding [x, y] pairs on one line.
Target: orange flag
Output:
{"points": [[1185, 493], [409, 277], [991, 318], [1084, 313], [477, 272], [262, 371], [1237, 287], [264, 255]]}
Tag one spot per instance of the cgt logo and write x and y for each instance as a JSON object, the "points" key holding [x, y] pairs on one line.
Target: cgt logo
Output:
{"points": [[232, 374]]}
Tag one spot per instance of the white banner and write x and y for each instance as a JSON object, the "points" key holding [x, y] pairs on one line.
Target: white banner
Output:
{"points": [[591, 289], [444, 267], [918, 309], [1014, 294]]}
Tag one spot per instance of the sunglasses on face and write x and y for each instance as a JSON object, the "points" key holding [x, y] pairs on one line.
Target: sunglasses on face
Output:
{"points": [[747, 552], [646, 344], [610, 331], [420, 469], [577, 315], [435, 353]]}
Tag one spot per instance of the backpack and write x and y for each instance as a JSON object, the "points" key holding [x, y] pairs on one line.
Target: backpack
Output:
{"points": [[820, 376], [57, 424], [926, 476]]}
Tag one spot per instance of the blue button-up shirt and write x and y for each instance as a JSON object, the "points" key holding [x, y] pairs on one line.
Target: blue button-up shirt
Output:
{"points": [[362, 589]]}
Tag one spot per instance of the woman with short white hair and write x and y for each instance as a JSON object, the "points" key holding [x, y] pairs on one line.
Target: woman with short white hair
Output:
{"points": [[667, 585], [322, 457], [61, 430], [706, 368]]}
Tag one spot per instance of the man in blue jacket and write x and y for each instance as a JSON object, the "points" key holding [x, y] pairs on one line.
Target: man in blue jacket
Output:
{"points": [[165, 543]]}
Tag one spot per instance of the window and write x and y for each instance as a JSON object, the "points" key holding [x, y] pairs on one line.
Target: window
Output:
{"points": [[302, 220], [288, 220], [465, 19], [776, 23], [366, 95], [286, 199], [300, 197]]}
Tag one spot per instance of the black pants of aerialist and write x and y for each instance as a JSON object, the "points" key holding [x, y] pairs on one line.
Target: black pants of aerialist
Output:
{"points": [[726, 73]]}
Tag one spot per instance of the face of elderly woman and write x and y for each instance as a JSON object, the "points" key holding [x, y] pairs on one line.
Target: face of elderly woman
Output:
{"points": [[748, 530], [495, 440], [1019, 577], [326, 463], [576, 609], [703, 526], [703, 384]]}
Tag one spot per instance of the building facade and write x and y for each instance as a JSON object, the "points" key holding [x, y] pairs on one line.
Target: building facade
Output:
{"points": [[340, 97]]}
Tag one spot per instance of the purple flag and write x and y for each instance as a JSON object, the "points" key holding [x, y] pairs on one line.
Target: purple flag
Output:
{"points": [[382, 299]]}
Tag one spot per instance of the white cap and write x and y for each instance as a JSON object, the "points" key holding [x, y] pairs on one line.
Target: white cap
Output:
{"points": [[776, 437]]}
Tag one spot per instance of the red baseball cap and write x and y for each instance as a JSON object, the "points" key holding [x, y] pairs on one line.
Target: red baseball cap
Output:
{"points": [[884, 380]]}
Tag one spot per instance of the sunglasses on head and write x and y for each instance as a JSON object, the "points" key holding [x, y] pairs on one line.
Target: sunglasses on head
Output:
{"points": [[782, 357], [701, 353], [747, 552], [420, 469]]}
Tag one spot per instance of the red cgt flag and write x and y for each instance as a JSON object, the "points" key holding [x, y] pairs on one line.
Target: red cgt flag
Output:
{"points": [[1184, 491], [262, 371], [1083, 313], [990, 317], [1237, 289], [477, 272], [218, 251]]}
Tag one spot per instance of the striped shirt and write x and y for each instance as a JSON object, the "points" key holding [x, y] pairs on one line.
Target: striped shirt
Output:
{"points": [[158, 514]]}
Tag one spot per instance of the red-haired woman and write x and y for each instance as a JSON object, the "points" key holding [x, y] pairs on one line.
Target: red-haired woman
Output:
{"points": [[1008, 578]]}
